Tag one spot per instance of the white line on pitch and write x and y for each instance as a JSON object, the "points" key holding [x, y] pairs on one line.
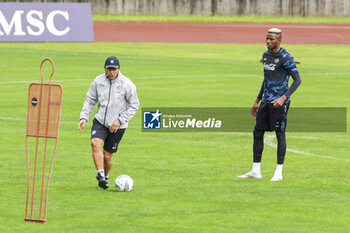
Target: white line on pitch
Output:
{"points": [[318, 138], [146, 77], [170, 77], [268, 141], [61, 122]]}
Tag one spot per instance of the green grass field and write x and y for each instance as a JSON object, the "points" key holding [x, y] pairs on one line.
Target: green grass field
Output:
{"points": [[184, 182]]}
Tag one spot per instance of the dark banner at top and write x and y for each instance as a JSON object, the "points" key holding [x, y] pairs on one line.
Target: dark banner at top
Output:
{"points": [[35, 22]]}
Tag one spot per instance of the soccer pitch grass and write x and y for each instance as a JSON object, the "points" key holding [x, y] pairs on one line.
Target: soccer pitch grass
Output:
{"points": [[184, 182]]}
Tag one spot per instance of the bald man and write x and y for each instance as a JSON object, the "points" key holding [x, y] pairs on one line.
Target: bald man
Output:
{"points": [[271, 114]]}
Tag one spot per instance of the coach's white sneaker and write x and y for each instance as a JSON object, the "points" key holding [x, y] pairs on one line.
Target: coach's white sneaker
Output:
{"points": [[276, 178], [251, 174]]}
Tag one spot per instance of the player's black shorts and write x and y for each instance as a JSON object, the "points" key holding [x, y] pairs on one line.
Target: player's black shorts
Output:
{"points": [[270, 118], [111, 140]]}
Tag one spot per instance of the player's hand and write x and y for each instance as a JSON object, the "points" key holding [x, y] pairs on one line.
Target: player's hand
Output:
{"points": [[114, 127], [254, 110], [277, 103], [81, 124]]}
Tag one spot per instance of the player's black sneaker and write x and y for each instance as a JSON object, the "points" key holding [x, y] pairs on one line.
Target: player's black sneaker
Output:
{"points": [[102, 182]]}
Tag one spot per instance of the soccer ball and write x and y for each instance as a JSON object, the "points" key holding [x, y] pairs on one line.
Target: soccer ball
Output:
{"points": [[123, 183]]}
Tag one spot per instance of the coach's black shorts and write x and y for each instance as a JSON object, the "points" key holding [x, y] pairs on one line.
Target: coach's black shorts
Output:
{"points": [[111, 140], [270, 118]]}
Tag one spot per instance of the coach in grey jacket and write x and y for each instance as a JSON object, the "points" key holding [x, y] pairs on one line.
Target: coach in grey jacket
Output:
{"points": [[117, 102]]}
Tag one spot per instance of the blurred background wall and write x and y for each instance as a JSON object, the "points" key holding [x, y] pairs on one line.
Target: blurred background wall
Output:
{"points": [[338, 8]]}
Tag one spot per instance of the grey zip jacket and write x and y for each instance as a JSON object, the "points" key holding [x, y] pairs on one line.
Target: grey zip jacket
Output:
{"points": [[117, 99]]}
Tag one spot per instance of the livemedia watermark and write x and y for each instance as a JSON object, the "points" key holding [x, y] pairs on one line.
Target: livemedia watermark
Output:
{"points": [[238, 119]]}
